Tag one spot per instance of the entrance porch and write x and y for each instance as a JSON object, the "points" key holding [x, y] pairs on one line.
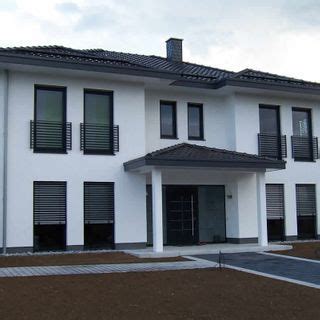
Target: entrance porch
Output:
{"points": [[200, 195]]}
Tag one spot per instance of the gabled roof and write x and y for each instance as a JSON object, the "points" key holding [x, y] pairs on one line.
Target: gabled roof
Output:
{"points": [[182, 73], [191, 155]]}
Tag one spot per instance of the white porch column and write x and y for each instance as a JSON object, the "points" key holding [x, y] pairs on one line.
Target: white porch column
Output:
{"points": [[157, 210], [262, 209]]}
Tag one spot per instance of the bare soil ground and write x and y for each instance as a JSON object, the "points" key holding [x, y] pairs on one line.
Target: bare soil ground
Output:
{"points": [[76, 259], [309, 250], [193, 294]]}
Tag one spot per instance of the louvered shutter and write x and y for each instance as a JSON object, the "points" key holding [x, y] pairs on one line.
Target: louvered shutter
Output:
{"points": [[306, 199], [98, 202], [49, 202], [275, 201]]}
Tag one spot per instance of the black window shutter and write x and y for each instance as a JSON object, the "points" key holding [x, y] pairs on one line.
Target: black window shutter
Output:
{"points": [[98, 202], [306, 200], [49, 202], [275, 201]]}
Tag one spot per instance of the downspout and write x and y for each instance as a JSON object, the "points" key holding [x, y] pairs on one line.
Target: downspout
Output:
{"points": [[5, 162]]}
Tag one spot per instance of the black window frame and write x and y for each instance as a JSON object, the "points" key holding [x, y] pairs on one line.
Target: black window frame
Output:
{"points": [[269, 137], [62, 89], [174, 120], [272, 191], [63, 183], [309, 112], [272, 107], [201, 127], [105, 93], [301, 235], [92, 183]]}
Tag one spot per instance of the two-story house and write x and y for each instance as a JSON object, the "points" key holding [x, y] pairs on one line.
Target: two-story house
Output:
{"points": [[102, 149]]}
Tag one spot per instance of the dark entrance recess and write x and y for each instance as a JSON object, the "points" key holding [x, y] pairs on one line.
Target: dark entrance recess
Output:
{"points": [[98, 215], [182, 215], [49, 215], [191, 214], [275, 212], [306, 211]]}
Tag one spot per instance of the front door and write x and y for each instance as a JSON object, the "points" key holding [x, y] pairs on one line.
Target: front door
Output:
{"points": [[182, 215]]}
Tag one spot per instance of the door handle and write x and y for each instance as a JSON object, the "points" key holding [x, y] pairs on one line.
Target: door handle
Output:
{"points": [[192, 217]]}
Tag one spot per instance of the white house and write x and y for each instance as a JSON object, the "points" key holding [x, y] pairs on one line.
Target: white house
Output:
{"points": [[107, 149]]}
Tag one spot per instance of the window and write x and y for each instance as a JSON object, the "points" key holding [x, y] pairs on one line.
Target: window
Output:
{"points": [[49, 215], [98, 214], [306, 210], [270, 142], [98, 131], [275, 211], [269, 119], [195, 121], [168, 120], [49, 127], [302, 142], [301, 122]]}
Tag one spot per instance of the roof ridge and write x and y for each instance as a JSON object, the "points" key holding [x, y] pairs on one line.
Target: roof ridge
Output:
{"points": [[162, 58]]}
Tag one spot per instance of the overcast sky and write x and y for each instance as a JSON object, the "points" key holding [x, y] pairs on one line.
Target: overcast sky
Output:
{"points": [[279, 36]]}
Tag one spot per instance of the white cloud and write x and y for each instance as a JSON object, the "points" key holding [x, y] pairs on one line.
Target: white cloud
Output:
{"points": [[280, 36]]}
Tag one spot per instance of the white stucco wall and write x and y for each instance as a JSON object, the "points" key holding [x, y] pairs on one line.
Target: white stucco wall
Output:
{"points": [[295, 172], [215, 114], [24, 166], [2, 102], [232, 122]]}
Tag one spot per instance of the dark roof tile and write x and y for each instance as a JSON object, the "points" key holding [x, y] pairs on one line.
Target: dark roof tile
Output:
{"points": [[185, 71], [192, 155]]}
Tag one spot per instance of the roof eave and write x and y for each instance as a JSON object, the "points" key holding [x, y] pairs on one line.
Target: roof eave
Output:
{"points": [[267, 86], [259, 164], [75, 65]]}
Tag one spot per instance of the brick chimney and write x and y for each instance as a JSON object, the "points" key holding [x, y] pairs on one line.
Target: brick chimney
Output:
{"points": [[174, 49]]}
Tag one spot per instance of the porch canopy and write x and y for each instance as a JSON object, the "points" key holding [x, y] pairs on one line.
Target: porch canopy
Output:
{"points": [[195, 157], [191, 155]]}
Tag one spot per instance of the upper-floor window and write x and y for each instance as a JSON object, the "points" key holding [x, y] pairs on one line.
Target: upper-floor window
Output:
{"points": [[269, 119], [270, 142], [301, 122], [168, 119], [302, 142], [98, 131], [49, 128], [195, 121]]}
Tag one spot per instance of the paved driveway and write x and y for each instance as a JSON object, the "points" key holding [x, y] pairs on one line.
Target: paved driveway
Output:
{"points": [[273, 265]]}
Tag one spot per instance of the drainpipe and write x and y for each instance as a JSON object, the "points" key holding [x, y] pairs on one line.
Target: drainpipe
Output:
{"points": [[5, 158]]}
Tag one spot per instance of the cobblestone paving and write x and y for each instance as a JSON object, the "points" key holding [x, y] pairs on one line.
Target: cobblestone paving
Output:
{"points": [[280, 266], [103, 268]]}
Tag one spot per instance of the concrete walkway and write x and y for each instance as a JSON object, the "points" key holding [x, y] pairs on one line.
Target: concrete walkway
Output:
{"points": [[104, 268], [300, 271], [175, 251]]}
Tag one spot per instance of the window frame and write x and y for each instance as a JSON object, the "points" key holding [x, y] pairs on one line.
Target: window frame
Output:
{"points": [[65, 191], [174, 120], [62, 89], [309, 112], [86, 183], [272, 107], [201, 127], [104, 93]]}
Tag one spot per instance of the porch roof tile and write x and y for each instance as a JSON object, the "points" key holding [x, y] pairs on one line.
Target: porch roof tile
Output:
{"points": [[191, 155]]}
